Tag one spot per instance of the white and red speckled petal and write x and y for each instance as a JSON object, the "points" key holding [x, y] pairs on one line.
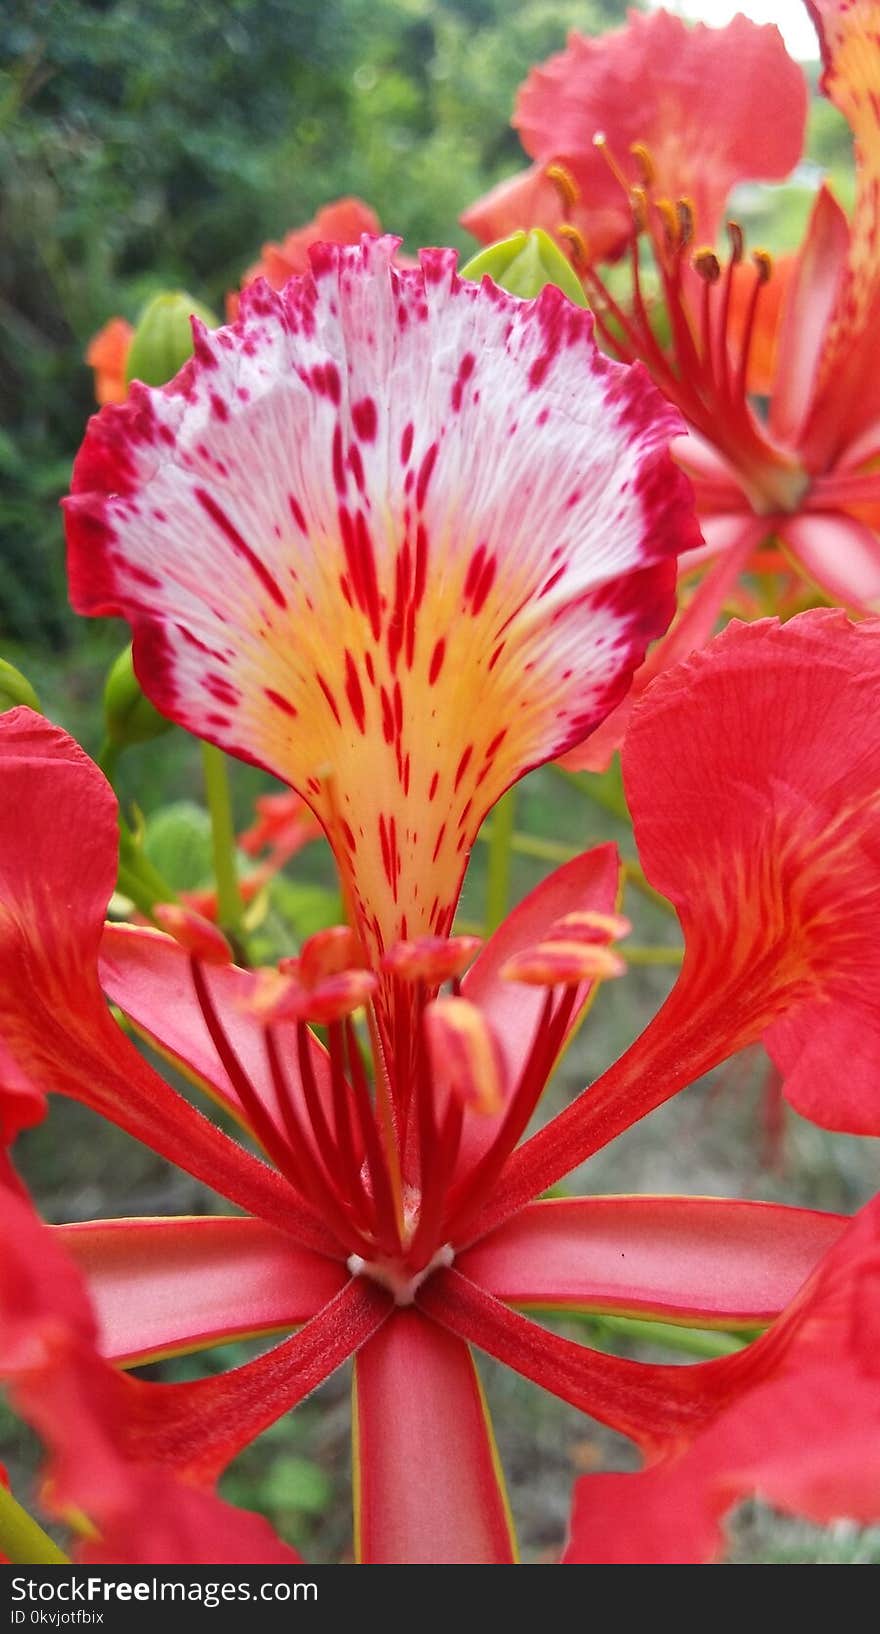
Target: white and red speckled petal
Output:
{"points": [[396, 537]]}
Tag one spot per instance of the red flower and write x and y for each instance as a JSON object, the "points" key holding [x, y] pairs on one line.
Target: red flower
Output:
{"points": [[341, 222], [79, 1403], [696, 99], [795, 1418], [403, 1226], [107, 354], [797, 488]]}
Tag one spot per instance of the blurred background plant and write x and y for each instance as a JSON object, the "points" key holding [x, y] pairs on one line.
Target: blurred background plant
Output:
{"points": [[148, 145]]}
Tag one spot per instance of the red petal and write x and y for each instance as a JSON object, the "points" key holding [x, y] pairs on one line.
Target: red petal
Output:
{"points": [[197, 1429], [808, 305], [802, 1430], [591, 881], [697, 98], [75, 1401], [654, 1405], [429, 1489], [150, 978], [56, 877], [162, 1286], [751, 773], [839, 553], [705, 1261]]}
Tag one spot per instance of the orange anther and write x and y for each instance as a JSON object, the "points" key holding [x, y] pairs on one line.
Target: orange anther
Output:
{"points": [[565, 185]]}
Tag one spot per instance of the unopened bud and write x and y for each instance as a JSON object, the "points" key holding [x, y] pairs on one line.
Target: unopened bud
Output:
{"points": [[129, 717], [15, 688], [162, 339], [526, 263]]}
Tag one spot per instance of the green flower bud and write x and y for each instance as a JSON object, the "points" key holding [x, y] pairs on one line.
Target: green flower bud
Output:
{"points": [[162, 340], [524, 263], [15, 688], [129, 717]]}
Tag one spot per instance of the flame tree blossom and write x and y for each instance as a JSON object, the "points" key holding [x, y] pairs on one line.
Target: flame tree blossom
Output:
{"points": [[777, 945], [795, 486]]}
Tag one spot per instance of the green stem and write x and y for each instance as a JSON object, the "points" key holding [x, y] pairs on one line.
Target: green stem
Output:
{"points": [[22, 1540], [108, 755], [634, 876], [651, 955], [222, 838], [702, 1342], [500, 858]]}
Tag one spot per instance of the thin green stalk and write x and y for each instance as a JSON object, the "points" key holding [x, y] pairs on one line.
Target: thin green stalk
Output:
{"points": [[651, 955], [500, 859], [702, 1342], [229, 908], [22, 1540], [633, 874]]}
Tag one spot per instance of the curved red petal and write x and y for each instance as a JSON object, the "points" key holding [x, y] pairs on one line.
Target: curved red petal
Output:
{"points": [[160, 1286], [74, 1400], [428, 1486], [696, 98], [197, 1429], [802, 1430], [705, 1261], [56, 878]]}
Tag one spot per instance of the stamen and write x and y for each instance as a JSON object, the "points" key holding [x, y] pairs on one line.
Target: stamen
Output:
{"points": [[763, 273], [671, 225], [600, 141], [565, 185], [199, 936], [260, 1122], [705, 262], [686, 221], [580, 254], [388, 1213], [431, 959], [645, 162]]}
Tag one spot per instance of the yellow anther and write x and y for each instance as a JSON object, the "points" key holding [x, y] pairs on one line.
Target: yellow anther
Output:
{"points": [[686, 217], [736, 237], [763, 265], [705, 262], [639, 201], [580, 254], [645, 162], [565, 185], [669, 217]]}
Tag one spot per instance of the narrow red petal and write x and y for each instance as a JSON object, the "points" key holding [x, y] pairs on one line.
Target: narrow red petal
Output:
{"points": [[161, 1286], [706, 1261], [429, 1489], [197, 1429]]}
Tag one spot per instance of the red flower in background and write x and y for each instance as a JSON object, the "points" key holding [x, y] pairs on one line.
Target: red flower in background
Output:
{"points": [[796, 488], [107, 353], [342, 222], [696, 99]]}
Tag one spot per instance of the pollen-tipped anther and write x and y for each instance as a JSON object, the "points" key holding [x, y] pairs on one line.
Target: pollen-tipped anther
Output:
{"points": [[565, 185], [199, 936]]}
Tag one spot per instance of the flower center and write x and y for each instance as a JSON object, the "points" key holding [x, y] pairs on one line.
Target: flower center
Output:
{"points": [[399, 1281]]}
